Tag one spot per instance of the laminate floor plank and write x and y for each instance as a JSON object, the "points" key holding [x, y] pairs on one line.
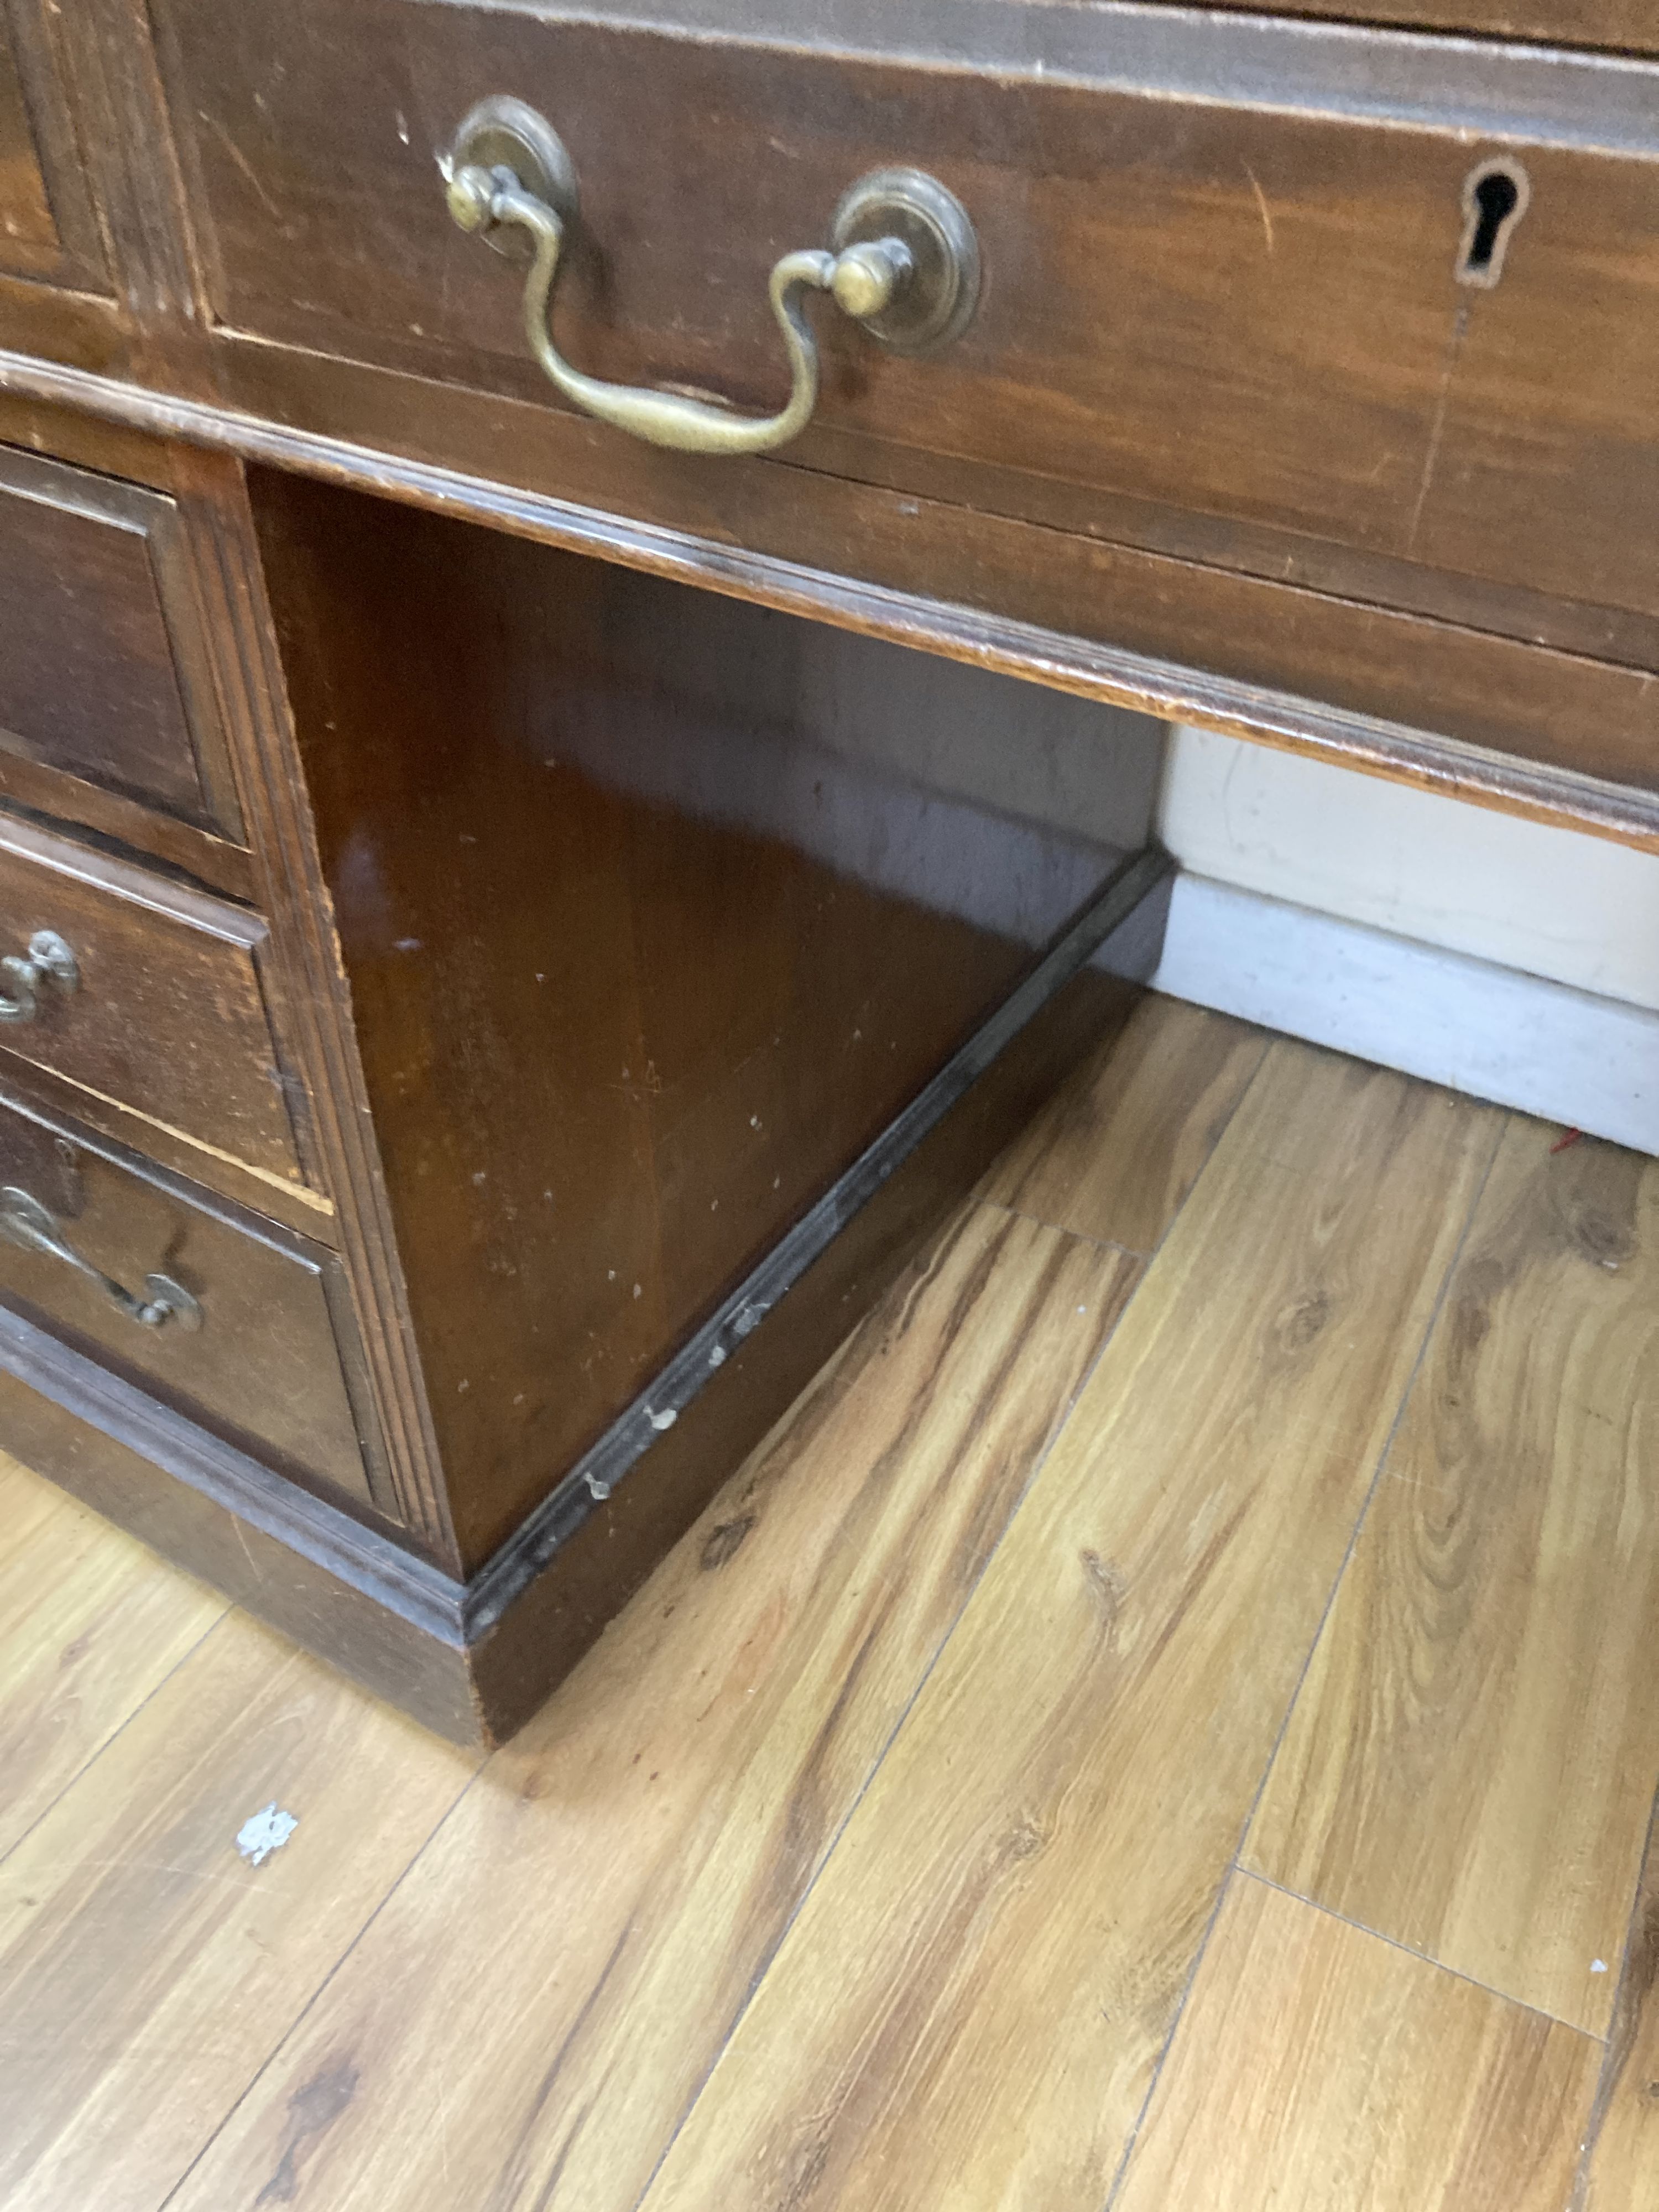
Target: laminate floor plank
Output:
{"points": [[148, 1966], [90, 1623], [865, 1861], [1108, 1156], [1471, 1763], [1621, 2159], [968, 2010], [1318, 2069], [527, 2017]]}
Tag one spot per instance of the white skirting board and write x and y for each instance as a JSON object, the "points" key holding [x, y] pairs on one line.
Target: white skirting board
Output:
{"points": [[1565, 1055]]}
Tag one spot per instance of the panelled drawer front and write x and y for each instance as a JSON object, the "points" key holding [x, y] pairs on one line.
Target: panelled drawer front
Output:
{"points": [[167, 1014], [263, 1369], [29, 242], [46, 226], [1213, 282], [101, 676]]}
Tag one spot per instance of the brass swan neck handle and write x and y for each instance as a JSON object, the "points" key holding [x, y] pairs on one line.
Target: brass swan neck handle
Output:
{"points": [[905, 265], [665, 418]]}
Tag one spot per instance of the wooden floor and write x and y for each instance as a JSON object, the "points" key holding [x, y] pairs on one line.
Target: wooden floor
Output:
{"points": [[1170, 1722]]}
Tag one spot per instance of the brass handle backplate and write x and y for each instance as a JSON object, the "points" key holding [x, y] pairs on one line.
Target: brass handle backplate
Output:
{"points": [[50, 964], [905, 263], [25, 1222]]}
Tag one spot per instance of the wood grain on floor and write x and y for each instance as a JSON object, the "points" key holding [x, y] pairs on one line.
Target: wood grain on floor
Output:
{"points": [[1621, 2164], [1472, 1761], [620, 1876], [90, 1622], [1105, 1157], [870, 1859], [969, 2006], [1318, 2069], [148, 1969]]}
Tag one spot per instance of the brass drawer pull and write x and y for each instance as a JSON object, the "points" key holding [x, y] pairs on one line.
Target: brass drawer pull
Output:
{"points": [[49, 961], [905, 264], [24, 1221]]}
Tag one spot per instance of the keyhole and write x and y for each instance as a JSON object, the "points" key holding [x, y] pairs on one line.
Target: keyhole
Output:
{"points": [[1495, 198]]}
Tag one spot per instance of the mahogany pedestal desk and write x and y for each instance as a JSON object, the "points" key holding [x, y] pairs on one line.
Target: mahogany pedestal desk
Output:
{"points": [[588, 594]]}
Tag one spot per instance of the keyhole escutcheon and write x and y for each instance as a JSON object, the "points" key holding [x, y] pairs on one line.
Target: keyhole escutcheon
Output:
{"points": [[1495, 197]]}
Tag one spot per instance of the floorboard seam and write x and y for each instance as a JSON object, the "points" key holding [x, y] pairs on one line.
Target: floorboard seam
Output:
{"points": [[1615, 2055], [1377, 1473], [1234, 1862], [1427, 1958], [282, 2040], [1062, 1229], [1043, 1459], [1223, 1888], [115, 1734]]}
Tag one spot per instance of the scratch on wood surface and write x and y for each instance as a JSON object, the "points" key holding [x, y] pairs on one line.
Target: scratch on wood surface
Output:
{"points": [[128, 1862], [241, 1538], [243, 164], [1261, 202], [1431, 458]]}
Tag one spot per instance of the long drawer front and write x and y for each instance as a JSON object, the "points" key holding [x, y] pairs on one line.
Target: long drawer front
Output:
{"points": [[1376, 292], [229, 1319]]}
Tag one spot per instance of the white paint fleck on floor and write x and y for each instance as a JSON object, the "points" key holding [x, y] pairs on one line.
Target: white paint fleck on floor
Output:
{"points": [[264, 1832]]}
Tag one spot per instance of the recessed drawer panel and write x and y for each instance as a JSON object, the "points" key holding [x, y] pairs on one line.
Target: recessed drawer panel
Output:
{"points": [[31, 243], [46, 226], [148, 993], [100, 673], [226, 1318], [1263, 271]]}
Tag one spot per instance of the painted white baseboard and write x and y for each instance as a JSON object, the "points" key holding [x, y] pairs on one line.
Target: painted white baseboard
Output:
{"points": [[1529, 894], [1548, 1047]]}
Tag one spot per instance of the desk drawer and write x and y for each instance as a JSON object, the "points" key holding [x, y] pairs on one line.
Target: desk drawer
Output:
{"points": [[29, 240], [1237, 283], [261, 1364], [101, 676], [47, 231], [164, 1011]]}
